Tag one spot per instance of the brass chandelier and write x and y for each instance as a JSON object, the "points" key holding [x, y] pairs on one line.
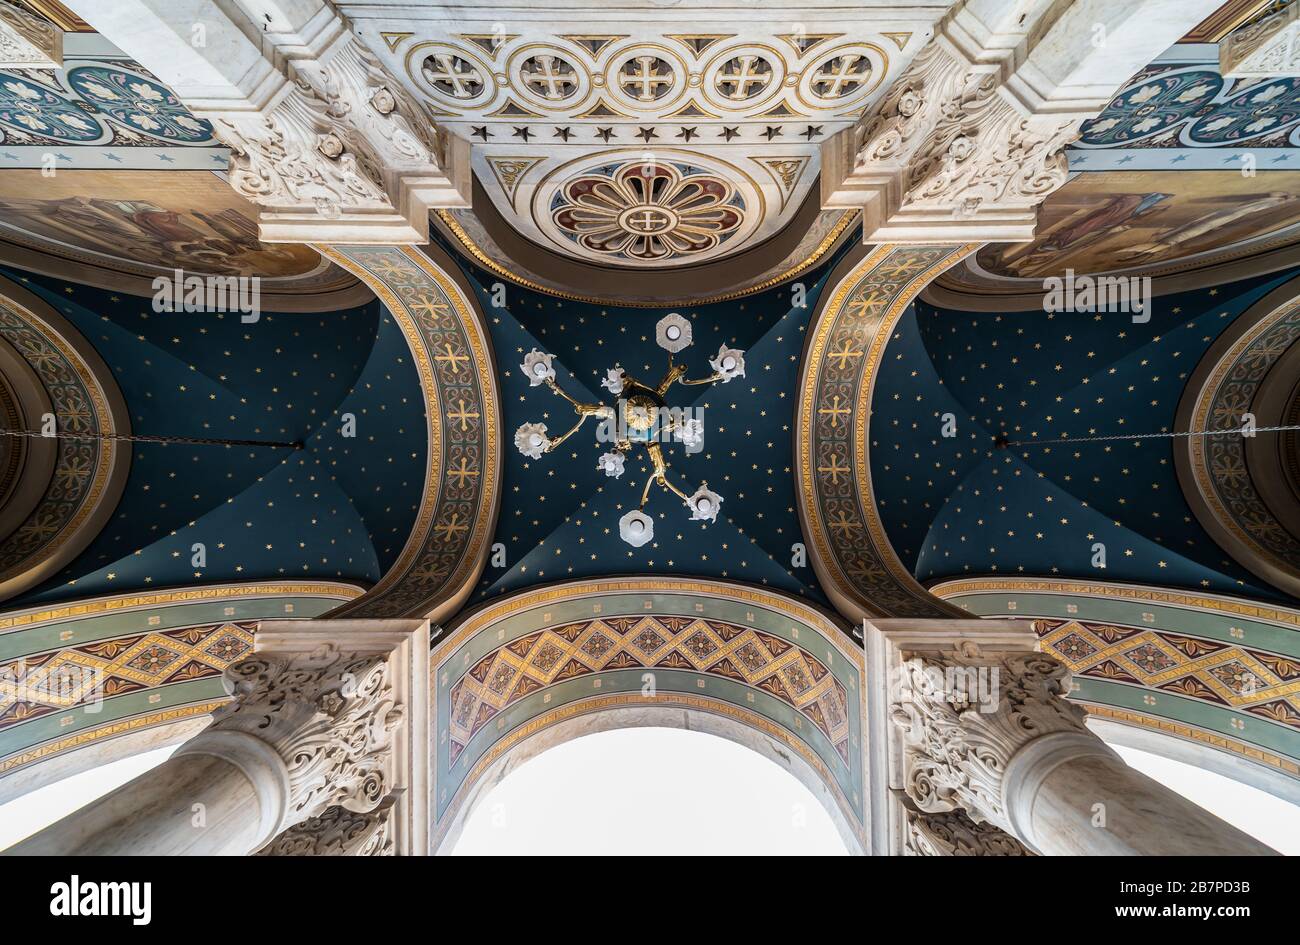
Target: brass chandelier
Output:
{"points": [[639, 417]]}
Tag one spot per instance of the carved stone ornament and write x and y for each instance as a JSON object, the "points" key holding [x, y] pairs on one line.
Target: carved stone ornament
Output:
{"points": [[945, 156], [337, 832], [344, 155], [1267, 47], [27, 41], [963, 718], [330, 716], [954, 834]]}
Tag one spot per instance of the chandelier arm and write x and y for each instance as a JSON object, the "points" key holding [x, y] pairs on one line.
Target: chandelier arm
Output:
{"points": [[673, 489], [711, 379], [577, 404], [582, 418], [674, 374], [645, 493]]}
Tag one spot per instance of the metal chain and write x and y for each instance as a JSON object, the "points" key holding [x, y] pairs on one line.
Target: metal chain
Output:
{"points": [[145, 438], [1146, 436]]}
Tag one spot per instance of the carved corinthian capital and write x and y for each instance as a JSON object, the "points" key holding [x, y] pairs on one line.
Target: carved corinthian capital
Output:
{"points": [[332, 714], [971, 138], [27, 41], [963, 718], [323, 140], [954, 834], [337, 832], [344, 155], [329, 714], [1267, 47]]}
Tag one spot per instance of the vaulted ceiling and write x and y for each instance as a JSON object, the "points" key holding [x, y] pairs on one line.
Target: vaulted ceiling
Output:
{"points": [[511, 180]]}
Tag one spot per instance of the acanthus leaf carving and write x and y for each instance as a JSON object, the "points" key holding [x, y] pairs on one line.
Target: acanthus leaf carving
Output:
{"points": [[27, 41], [956, 748], [338, 832], [329, 714], [954, 834], [345, 145]]}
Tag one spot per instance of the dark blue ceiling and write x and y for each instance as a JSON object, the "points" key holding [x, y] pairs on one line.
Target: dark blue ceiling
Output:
{"points": [[339, 508], [959, 507], [559, 515]]}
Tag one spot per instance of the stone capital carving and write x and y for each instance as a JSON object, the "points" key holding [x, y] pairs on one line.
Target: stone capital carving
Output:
{"points": [[1267, 47], [954, 834], [952, 705], [342, 705], [27, 41], [964, 717], [971, 138], [327, 143], [338, 832], [330, 715], [343, 155], [946, 156]]}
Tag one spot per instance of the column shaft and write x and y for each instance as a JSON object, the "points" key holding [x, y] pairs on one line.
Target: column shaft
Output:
{"points": [[156, 814], [1098, 806]]}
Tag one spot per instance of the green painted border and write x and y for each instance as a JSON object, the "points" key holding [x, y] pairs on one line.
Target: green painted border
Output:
{"points": [[88, 628], [452, 665], [1168, 618]]}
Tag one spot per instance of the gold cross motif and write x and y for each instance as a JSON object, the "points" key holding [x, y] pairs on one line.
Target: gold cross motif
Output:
{"points": [[846, 351], [451, 357], [834, 410], [843, 524], [428, 306], [392, 270], [834, 469], [462, 415], [462, 473], [451, 528]]}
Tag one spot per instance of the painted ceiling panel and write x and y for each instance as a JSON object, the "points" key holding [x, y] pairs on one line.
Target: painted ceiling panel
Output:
{"points": [[959, 506], [339, 508], [559, 515]]}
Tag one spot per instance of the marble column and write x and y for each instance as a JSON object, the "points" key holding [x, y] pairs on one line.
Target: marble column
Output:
{"points": [[324, 746], [968, 716]]}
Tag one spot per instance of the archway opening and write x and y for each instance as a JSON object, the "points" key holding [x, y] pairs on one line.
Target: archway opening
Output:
{"points": [[649, 791]]}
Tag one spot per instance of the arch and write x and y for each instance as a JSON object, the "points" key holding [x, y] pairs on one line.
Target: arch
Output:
{"points": [[532, 670], [444, 327], [107, 671], [851, 554], [1214, 672], [51, 364], [1237, 486]]}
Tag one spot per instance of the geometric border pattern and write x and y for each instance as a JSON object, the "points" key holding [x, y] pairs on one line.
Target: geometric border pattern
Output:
{"points": [[447, 546], [851, 553], [149, 658], [57, 680], [646, 631], [1214, 471], [758, 659], [1215, 670]]}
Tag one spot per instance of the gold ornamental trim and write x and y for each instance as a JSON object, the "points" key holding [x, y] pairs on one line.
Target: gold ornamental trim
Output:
{"points": [[117, 603], [479, 256], [475, 338]]}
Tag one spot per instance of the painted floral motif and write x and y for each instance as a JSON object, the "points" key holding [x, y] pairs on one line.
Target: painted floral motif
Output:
{"points": [[1197, 107], [95, 104], [28, 107], [647, 211], [138, 103]]}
